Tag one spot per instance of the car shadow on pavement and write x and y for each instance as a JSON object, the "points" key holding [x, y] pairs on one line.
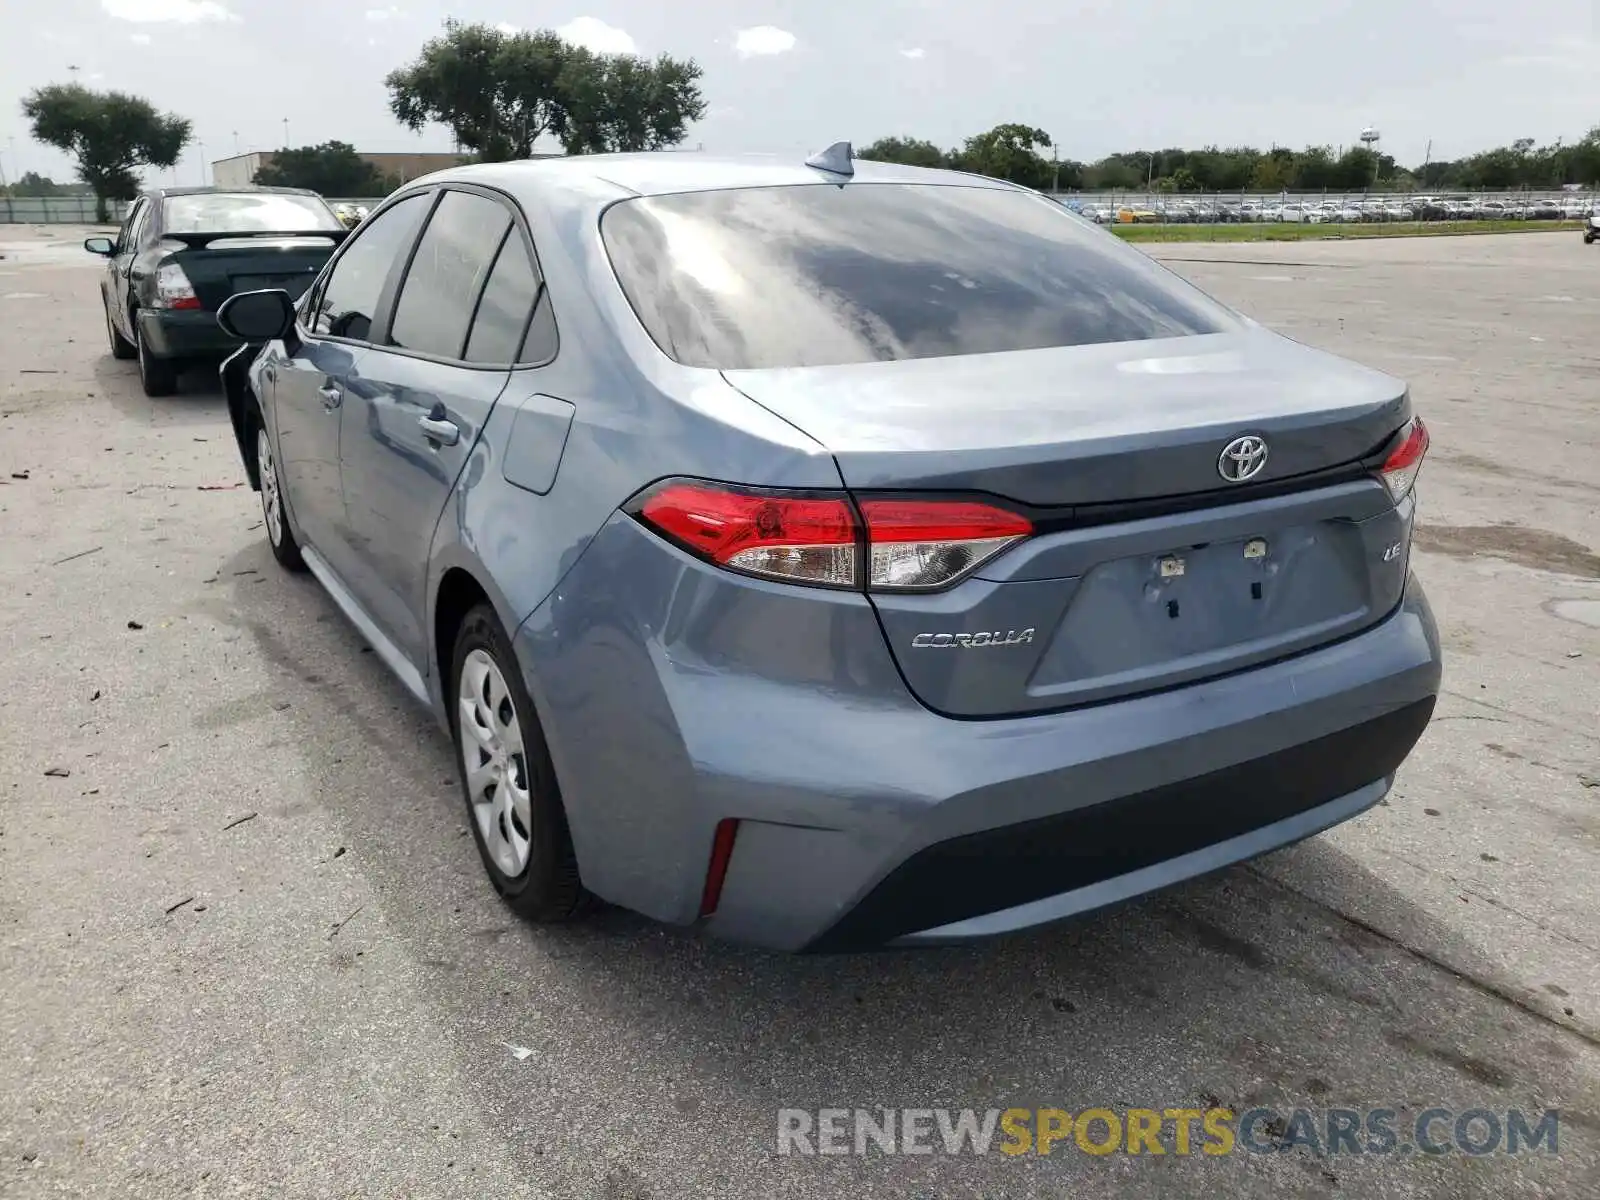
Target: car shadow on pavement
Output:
{"points": [[1236, 991], [119, 382]]}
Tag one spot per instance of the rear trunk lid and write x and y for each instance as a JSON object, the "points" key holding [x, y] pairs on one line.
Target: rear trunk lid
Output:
{"points": [[220, 265], [1085, 425], [1148, 567]]}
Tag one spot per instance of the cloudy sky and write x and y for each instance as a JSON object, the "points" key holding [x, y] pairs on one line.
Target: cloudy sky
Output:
{"points": [[793, 75]]}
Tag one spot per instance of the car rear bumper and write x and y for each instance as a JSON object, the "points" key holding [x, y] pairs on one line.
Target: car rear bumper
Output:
{"points": [[675, 696], [170, 333]]}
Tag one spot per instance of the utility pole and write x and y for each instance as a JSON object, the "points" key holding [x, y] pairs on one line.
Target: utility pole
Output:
{"points": [[236, 143], [201, 147], [286, 133], [1055, 162]]}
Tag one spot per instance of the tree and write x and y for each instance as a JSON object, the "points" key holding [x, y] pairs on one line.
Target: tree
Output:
{"points": [[910, 152], [1356, 169], [34, 184], [1008, 152], [333, 169], [1274, 172], [624, 102], [500, 92], [111, 134], [1582, 161]]}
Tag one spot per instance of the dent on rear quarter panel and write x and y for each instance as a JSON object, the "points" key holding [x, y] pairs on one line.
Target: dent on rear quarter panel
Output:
{"points": [[674, 694]]}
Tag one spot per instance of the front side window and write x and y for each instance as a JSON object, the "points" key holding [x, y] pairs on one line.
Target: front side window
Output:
{"points": [[348, 301], [247, 212], [447, 274], [125, 235], [819, 274]]}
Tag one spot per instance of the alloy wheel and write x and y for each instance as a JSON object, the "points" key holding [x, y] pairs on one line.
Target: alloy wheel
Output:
{"points": [[271, 502], [495, 763]]}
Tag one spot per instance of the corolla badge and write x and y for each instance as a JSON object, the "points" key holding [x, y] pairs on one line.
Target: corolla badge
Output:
{"points": [[971, 641], [1242, 458]]}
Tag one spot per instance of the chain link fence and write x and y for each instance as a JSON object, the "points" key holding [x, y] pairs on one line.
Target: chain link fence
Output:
{"points": [[56, 210]]}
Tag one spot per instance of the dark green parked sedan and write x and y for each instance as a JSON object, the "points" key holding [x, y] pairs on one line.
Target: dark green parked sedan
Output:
{"points": [[182, 251]]}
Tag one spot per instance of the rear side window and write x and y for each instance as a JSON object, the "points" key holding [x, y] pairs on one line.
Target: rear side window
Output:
{"points": [[447, 274], [507, 303], [349, 299], [816, 275], [210, 212]]}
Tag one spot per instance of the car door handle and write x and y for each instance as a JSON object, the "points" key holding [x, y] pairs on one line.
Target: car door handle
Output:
{"points": [[332, 396], [439, 429]]}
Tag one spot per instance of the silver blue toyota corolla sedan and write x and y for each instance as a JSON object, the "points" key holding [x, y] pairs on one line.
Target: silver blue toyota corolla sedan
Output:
{"points": [[836, 554]]}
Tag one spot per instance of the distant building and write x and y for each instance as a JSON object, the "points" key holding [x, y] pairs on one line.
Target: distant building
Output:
{"points": [[240, 170]]}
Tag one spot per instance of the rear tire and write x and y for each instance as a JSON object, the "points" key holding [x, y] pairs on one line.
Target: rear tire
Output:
{"points": [[121, 347], [1588, 239], [507, 777], [159, 376], [274, 517]]}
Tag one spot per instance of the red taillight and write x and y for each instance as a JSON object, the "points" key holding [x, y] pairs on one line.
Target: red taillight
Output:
{"points": [[717, 869], [920, 544], [806, 539], [173, 289], [1399, 470], [909, 544]]}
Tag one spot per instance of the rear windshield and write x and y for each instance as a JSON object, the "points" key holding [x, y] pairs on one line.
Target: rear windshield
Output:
{"points": [[211, 212], [818, 275]]}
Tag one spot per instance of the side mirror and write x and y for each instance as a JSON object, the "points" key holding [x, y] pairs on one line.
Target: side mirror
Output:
{"points": [[257, 316], [102, 246]]}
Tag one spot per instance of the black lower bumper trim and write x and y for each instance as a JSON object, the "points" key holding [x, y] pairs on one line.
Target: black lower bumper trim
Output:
{"points": [[996, 869]]}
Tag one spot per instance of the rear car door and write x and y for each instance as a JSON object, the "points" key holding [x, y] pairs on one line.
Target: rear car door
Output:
{"points": [[120, 268], [422, 395], [308, 382]]}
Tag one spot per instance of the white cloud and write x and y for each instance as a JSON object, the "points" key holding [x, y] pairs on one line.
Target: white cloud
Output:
{"points": [[508, 29], [183, 12], [139, 39], [384, 14], [594, 34], [763, 39], [914, 52]]}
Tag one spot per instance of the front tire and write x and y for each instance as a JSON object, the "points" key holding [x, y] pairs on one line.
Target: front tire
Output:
{"points": [[273, 516], [507, 777], [159, 376]]}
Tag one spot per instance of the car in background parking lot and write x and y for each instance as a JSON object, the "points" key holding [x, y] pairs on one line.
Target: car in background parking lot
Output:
{"points": [[181, 252]]}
